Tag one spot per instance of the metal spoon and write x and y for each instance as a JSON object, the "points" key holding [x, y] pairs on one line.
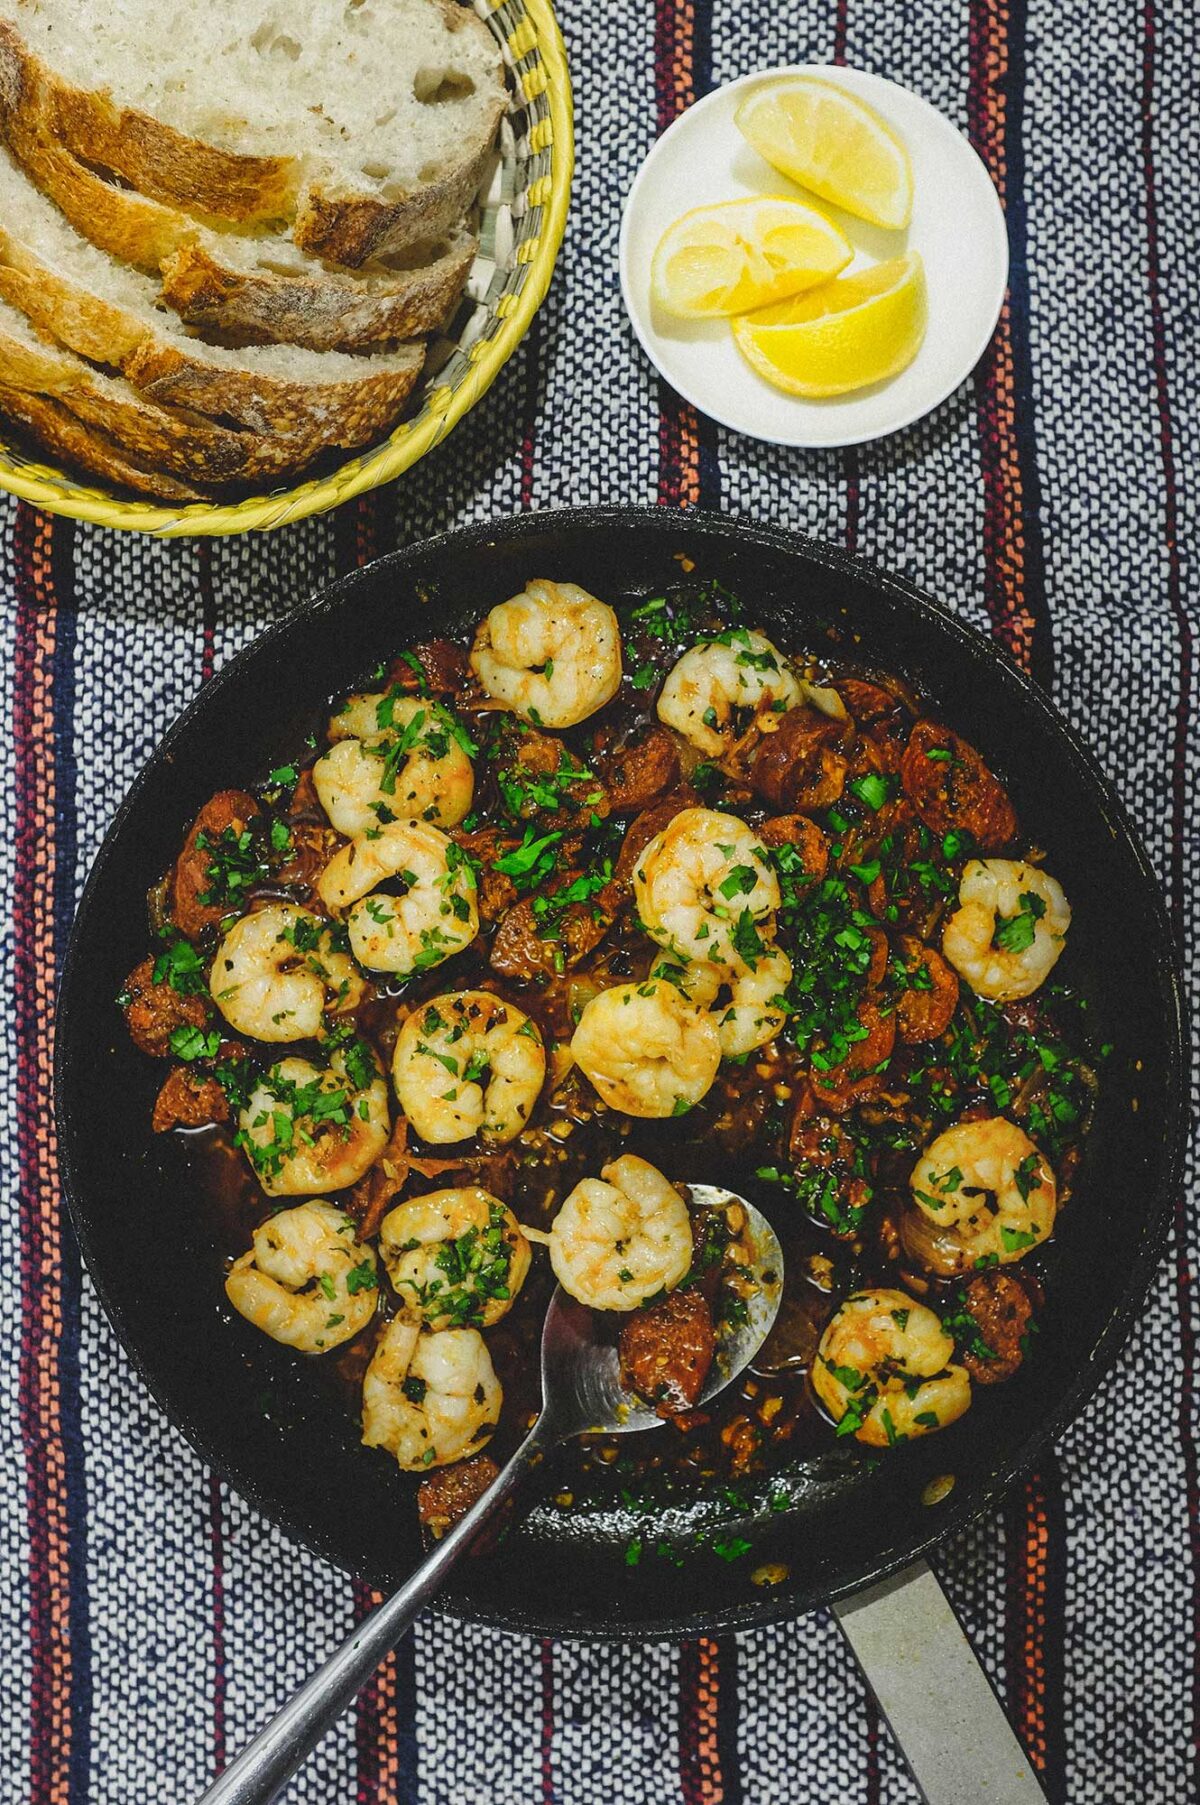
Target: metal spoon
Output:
{"points": [[581, 1392]]}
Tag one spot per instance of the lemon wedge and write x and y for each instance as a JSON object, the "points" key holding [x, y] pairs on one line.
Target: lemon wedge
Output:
{"points": [[832, 143], [857, 330], [737, 255]]}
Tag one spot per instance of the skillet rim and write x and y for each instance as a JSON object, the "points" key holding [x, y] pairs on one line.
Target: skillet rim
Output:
{"points": [[768, 1607]]}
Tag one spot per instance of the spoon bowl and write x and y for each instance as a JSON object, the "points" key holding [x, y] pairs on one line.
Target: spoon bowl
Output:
{"points": [[582, 1391]]}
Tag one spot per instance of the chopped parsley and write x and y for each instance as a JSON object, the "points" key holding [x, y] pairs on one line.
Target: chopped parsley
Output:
{"points": [[1015, 933]]}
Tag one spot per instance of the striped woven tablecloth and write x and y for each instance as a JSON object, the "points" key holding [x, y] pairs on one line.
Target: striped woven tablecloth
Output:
{"points": [[147, 1616]]}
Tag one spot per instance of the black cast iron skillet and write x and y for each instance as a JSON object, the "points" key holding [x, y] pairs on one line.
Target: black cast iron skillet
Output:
{"points": [[251, 1408]]}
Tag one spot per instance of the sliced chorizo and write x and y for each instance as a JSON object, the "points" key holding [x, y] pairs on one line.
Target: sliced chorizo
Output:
{"points": [[810, 842], [445, 1496], [855, 1078], [1000, 1305], [924, 1010], [952, 788], [521, 950], [641, 831], [154, 1011], [192, 879], [495, 890], [802, 764], [188, 1099], [868, 702], [638, 774], [443, 668], [666, 1351]]}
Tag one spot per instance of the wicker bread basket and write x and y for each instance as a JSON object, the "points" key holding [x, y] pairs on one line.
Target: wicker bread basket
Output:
{"points": [[523, 213]]}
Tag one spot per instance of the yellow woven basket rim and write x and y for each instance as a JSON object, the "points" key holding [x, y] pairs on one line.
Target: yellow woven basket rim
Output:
{"points": [[57, 493]]}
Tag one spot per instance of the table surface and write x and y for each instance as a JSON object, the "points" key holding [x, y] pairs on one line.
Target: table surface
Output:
{"points": [[147, 1616]]}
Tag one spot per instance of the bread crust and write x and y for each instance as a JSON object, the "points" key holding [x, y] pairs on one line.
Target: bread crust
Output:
{"points": [[323, 311], [52, 428], [310, 416], [126, 225], [352, 229]]}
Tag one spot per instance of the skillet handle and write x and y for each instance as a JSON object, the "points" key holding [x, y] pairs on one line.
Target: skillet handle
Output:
{"points": [[939, 1703], [270, 1759]]}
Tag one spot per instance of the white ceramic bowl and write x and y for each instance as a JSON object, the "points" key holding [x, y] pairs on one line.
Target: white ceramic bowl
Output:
{"points": [[957, 226]]}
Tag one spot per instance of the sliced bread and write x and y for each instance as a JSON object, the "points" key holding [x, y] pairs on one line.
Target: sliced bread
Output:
{"points": [[178, 439], [54, 429], [366, 124], [257, 288], [110, 313]]}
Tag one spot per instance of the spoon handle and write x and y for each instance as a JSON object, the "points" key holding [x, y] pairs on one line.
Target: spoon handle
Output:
{"points": [[272, 1757]]}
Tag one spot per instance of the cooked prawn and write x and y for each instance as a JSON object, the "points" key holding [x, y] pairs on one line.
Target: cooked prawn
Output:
{"points": [[647, 1049], [434, 913], [456, 1258], [1009, 929], [552, 654], [429, 1398], [394, 758], [748, 1002], [986, 1194], [883, 1369], [621, 1237], [468, 1063], [720, 685], [305, 1128], [279, 971], [306, 1281], [704, 887]]}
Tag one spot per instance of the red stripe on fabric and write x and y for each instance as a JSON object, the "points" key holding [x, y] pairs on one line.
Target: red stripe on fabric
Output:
{"points": [[39, 1405], [839, 32], [708, 1694], [1029, 1626], [1184, 1276], [376, 1738], [674, 88], [995, 385], [700, 1778], [356, 532], [366, 510], [674, 48], [546, 1741], [1028, 1528], [874, 1769]]}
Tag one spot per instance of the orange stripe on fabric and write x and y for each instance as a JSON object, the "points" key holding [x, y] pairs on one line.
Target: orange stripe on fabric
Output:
{"points": [[708, 1692], [1032, 1723], [46, 1477]]}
